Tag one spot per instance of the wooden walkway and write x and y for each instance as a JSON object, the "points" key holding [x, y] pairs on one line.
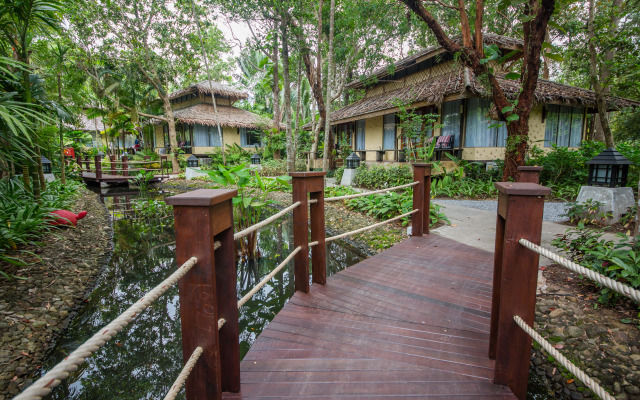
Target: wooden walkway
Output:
{"points": [[410, 322], [90, 177]]}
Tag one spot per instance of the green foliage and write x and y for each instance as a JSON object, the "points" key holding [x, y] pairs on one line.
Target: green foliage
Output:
{"points": [[336, 191], [279, 167], [235, 155], [251, 199], [151, 208], [618, 259], [338, 174], [587, 213], [23, 219], [380, 177], [416, 128], [451, 186], [383, 206], [143, 179]]}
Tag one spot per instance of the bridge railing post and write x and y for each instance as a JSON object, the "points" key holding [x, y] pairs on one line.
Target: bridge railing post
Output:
{"points": [[421, 199], [304, 183], [97, 160], [208, 291], [163, 160], [529, 174], [79, 161], [87, 163], [515, 275], [112, 163], [125, 166]]}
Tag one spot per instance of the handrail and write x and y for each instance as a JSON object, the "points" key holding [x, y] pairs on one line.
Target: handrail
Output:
{"points": [[353, 196], [265, 222], [61, 371], [366, 228], [267, 278], [577, 372], [184, 374], [612, 284]]}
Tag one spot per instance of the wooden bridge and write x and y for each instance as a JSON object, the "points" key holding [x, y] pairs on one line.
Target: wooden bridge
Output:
{"points": [[120, 171], [429, 318]]}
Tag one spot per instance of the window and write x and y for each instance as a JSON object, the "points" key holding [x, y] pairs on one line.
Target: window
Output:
{"points": [[389, 132], [563, 126], [479, 131], [360, 135], [451, 120], [206, 136], [250, 138]]}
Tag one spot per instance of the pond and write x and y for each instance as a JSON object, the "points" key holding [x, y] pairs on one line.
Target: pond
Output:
{"points": [[143, 360]]}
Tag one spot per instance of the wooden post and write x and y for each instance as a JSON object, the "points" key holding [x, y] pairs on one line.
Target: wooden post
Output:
{"points": [[421, 199], [208, 291], [112, 160], [515, 275], [529, 174], [162, 161], [98, 163], [79, 160], [125, 166], [88, 163], [303, 183]]}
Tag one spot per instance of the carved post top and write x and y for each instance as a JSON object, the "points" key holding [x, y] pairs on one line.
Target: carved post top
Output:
{"points": [[124, 158], [202, 197], [522, 189], [425, 166], [311, 174]]}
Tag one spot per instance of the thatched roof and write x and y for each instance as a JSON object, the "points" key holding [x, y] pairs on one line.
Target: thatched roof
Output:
{"points": [[408, 65], [86, 124], [234, 117], [219, 89], [434, 90]]}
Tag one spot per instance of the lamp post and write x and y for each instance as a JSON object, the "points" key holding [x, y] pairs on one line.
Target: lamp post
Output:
{"points": [[255, 159], [46, 165], [353, 161], [192, 161]]}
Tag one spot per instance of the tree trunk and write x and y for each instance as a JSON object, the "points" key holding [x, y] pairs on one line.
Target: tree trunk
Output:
{"points": [[596, 78], [43, 182], [173, 141], [275, 85], [298, 106], [25, 176], [63, 173], [517, 135], [291, 152], [327, 120]]}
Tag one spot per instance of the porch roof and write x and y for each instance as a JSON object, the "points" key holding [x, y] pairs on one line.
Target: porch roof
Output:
{"points": [[228, 116]]}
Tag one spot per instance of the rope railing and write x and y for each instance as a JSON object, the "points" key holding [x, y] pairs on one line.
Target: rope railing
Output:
{"points": [[61, 371], [265, 222], [562, 360], [612, 284], [267, 278], [184, 374], [353, 196], [366, 228]]}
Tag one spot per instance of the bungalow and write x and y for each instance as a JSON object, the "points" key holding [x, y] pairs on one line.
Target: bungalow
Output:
{"points": [[196, 120], [433, 82]]}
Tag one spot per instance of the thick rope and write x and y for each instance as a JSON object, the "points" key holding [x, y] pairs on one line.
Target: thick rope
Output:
{"points": [[264, 223], [614, 285], [577, 372], [353, 196], [184, 374], [366, 228], [267, 278], [221, 323], [61, 371]]}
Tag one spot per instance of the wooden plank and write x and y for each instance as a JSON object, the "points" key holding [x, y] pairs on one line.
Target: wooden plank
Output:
{"points": [[410, 322]]}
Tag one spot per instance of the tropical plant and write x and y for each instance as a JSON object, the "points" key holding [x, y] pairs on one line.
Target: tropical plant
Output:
{"points": [[251, 202]]}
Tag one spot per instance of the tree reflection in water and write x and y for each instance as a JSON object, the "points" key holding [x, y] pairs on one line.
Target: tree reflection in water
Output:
{"points": [[142, 361]]}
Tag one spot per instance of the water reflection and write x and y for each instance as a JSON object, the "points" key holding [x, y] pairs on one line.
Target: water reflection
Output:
{"points": [[142, 361]]}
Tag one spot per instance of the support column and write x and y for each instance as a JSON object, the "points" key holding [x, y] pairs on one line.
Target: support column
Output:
{"points": [[520, 208], [98, 163], [208, 291]]}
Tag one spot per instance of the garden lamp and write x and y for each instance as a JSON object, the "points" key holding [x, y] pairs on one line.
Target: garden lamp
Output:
{"points": [[353, 161], [46, 165], [101, 155], [609, 168], [192, 161], [255, 159]]}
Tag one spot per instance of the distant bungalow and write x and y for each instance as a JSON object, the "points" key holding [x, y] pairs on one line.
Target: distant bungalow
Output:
{"points": [[434, 82], [196, 125]]}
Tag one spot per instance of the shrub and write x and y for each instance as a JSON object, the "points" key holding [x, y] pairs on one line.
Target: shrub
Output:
{"points": [[338, 174], [380, 177], [449, 186], [336, 191], [619, 259]]}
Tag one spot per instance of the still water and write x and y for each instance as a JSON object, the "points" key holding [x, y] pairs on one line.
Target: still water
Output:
{"points": [[142, 361]]}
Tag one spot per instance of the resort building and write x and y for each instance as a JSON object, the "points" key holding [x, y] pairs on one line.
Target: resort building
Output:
{"points": [[433, 82], [196, 120]]}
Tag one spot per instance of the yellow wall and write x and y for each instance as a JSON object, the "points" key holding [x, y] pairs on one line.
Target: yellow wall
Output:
{"points": [[157, 129], [230, 135], [198, 100], [373, 136]]}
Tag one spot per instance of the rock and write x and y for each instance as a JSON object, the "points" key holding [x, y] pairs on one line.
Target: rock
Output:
{"points": [[632, 389], [635, 358], [558, 312], [38, 324], [574, 331], [594, 331]]}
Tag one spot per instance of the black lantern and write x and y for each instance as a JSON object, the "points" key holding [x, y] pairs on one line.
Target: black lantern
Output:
{"points": [[46, 165], [609, 168], [255, 159], [124, 153], [192, 161], [353, 161], [101, 155]]}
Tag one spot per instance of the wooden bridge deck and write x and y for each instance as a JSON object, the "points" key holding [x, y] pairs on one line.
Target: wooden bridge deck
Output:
{"points": [[412, 321], [108, 178]]}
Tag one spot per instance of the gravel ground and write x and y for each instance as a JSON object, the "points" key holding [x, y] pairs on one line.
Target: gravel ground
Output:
{"points": [[552, 210], [35, 310]]}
